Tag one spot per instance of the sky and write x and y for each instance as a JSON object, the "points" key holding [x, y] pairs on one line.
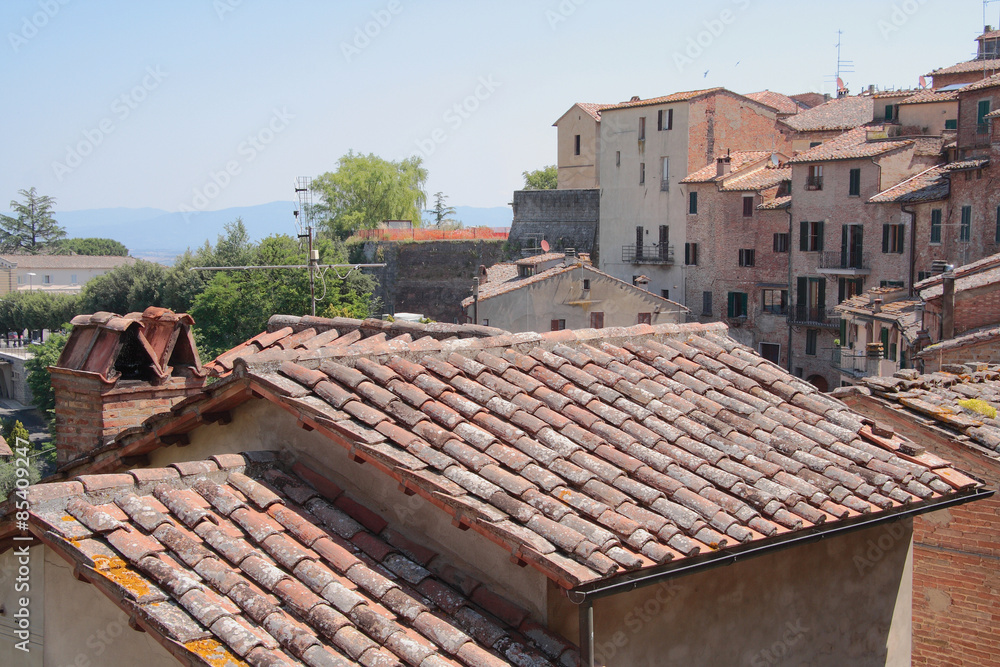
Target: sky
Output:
{"points": [[210, 104]]}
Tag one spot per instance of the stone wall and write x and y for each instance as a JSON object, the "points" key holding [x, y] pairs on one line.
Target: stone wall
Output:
{"points": [[430, 278], [564, 218]]}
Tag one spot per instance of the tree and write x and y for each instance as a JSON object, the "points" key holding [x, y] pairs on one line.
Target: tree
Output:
{"points": [[546, 178], [126, 289], [33, 228], [441, 212], [366, 189], [90, 246], [39, 378]]}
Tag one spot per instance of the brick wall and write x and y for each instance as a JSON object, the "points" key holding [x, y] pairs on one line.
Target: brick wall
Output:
{"points": [[969, 136], [956, 578], [726, 122], [89, 412], [564, 218]]}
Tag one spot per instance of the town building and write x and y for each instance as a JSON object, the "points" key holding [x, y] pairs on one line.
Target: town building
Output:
{"points": [[984, 65], [374, 493], [736, 255], [881, 331], [558, 291], [65, 274]]}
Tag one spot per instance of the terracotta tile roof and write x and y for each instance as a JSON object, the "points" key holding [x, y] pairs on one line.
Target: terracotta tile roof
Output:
{"points": [[930, 146], [993, 114], [989, 82], [930, 96], [963, 282], [685, 96], [930, 185], [500, 273], [339, 333], [587, 454], [986, 66], [837, 114], [239, 558], [892, 94], [851, 145], [738, 160], [992, 34], [761, 179], [987, 263], [809, 100], [67, 261], [535, 260], [593, 109], [972, 163], [781, 103], [935, 399], [775, 204], [97, 341], [982, 335]]}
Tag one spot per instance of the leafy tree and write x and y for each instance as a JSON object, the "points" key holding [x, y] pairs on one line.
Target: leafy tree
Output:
{"points": [[33, 227], [546, 178], [90, 246], [128, 288], [366, 189], [36, 310], [441, 212], [39, 378]]}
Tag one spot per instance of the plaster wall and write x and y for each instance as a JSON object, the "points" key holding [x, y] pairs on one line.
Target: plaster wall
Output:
{"points": [[928, 118], [10, 597], [578, 171], [845, 600], [260, 425]]}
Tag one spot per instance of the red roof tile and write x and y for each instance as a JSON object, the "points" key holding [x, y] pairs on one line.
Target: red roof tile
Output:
{"points": [[851, 145], [931, 96], [837, 114], [280, 577], [738, 160], [782, 103], [930, 185], [988, 67]]}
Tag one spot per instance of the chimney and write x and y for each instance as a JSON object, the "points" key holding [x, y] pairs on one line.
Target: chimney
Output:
{"points": [[948, 305], [877, 305], [483, 277], [117, 371], [871, 89], [826, 97], [723, 166]]}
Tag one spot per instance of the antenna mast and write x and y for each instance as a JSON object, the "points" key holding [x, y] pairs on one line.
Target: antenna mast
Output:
{"points": [[846, 66], [303, 216]]}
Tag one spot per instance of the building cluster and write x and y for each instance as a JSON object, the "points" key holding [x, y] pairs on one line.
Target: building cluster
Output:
{"points": [[779, 215]]}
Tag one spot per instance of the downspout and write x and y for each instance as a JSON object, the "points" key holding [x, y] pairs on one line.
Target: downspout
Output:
{"points": [[788, 319], [587, 658], [475, 300]]}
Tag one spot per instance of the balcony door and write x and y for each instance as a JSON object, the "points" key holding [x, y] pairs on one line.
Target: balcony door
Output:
{"points": [[851, 245]]}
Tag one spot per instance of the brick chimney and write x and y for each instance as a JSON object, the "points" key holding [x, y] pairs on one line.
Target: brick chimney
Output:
{"points": [[723, 166], [116, 371]]}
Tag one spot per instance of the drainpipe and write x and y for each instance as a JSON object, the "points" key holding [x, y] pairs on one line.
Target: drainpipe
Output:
{"points": [[587, 658], [789, 305], [913, 245], [475, 300]]}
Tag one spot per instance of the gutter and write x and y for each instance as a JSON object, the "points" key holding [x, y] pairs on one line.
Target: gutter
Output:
{"points": [[586, 595]]}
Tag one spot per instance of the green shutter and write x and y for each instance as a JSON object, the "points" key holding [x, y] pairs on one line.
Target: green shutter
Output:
{"points": [[900, 238], [801, 291], [983, 109], [819, 236], [804, 236], [844, 240], [730, 301], [843, 333], [885, 238], [936, 225], [885, 342], [821, 304]]}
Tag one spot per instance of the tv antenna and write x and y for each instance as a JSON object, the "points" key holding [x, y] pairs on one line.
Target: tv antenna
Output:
{"points": [[846, 66], [304, 228], [986, 3]]}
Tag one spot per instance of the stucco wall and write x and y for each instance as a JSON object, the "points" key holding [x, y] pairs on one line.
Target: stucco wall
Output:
{"points": [[845, 600], [10, 597], [578, 171], [15, 377], [261, 425], [930, 117]]}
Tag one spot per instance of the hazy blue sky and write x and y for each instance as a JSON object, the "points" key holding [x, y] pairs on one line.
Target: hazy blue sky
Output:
{"points": [[136, 103]]}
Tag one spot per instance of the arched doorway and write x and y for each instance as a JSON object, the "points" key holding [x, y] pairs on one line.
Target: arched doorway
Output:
{"points": [[819, 382]]}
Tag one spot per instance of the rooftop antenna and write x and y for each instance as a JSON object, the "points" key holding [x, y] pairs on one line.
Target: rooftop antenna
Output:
{"points": [[846, 66], [986, 3], [304, 227]]}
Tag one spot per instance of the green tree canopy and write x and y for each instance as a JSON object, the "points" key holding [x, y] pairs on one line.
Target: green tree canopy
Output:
{"points": [[126, 289], [546, 178], [32, 228], [39, 378], [89, 246], [366, 189], [442, 212], [36, 310]]}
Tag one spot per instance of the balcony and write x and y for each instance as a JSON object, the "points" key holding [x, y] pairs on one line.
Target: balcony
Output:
{"points": [[648, 254], [814, 183], [814, 317], [845, 263], [855, 364]]}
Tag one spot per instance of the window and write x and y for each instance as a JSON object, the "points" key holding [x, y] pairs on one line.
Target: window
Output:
{"points": [[965, 231], [923, 275], [890, 283], [982, 125], [486, 321], [811, 236], [781, 243], [849, 287], [748, 206], [586, 283], [892, 238], [996, 236], [854, 189], [645, 318], [577, 147], [747, 256], [815, 179], [798, 372], [810, 299], [663, 243], [706, 303], [665, 174], [784, 189], [596, 320], [771, 352], [642, 128], [20, 280], [775, 301], [642, 173], [812, 336], [737, 304], [638, 243], [46, 279], [814, 144], [558, 325], [525, 271], [618, 158], [951, 124], [691, 254], [890, 112], [936, 225], [665, 293], [72, 279], [665, 119], [693, 203]]}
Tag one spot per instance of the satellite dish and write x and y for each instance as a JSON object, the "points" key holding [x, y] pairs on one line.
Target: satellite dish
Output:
{"points": [[545, 246]]}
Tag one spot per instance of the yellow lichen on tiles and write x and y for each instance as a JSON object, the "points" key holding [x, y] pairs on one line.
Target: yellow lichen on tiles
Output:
{"points": [[979, 406], [116, 570], [214, 653], [68, 518]]}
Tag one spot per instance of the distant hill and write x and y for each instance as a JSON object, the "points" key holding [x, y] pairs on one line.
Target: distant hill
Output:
{"points": [[160, 236]]}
